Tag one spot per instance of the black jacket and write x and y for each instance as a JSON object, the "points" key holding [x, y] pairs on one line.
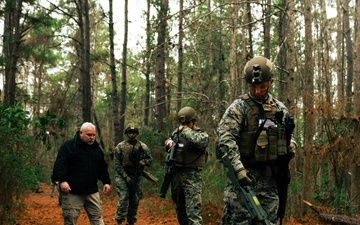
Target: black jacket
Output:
{"points": [[81, 165]]}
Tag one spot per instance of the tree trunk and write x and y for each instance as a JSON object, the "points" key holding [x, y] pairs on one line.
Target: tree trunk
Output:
{"points": [[233, 50], [287, 89], [83, 22], [221, 82], [148, 64], [267, 26], [308, 107], [355, 163], [160, 67], [249, 22], [283, 53], [349, 56], [288, 86], [245, 52], [115, 97], [339, 60], [208, 88], [331, 218], [11, 43], [86, 65], [123, 73], [324, 40], [180, 57]]}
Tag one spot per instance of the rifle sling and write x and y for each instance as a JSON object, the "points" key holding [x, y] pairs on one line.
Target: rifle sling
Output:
{"points": [[263, 116]]}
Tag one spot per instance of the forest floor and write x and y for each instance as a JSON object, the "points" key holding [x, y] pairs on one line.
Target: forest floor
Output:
{"points": [[41, 209]]}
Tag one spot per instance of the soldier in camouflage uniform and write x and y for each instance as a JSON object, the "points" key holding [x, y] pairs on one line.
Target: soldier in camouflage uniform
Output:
{"points": [[190, 158], [251, 131], [55, 184], [131, 156]]}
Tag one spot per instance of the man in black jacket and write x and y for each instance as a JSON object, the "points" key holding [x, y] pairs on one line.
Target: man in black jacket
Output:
{"points": [[79, 165]]}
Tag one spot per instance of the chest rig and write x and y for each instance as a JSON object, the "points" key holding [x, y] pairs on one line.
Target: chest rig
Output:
{"points": [[132, 153], [262, 137]]}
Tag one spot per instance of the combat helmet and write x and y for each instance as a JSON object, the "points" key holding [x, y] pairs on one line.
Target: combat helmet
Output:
{"points": [[133, 127], [186, 114], [258, 70]]}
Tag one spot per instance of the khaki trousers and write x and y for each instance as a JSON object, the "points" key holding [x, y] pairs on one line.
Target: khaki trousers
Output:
{"points": [[72, 205]]}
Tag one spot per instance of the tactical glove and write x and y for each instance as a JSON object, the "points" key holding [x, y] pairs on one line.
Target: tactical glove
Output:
{"points": [[142, 162], [242, 177], [182, 127], [291, 150]]}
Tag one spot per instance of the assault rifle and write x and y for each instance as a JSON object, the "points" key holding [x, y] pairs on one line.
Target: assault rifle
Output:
{"points": [[149, 176], [170, 164], [251, 201], [289, 127], [142, 170], [282, 173], [135, 157]]}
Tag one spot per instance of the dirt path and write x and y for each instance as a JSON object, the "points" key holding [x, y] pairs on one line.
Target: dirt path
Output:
{"points": [[44, 210]]}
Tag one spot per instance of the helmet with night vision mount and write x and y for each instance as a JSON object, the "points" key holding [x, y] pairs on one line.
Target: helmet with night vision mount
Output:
{"points": [[258, 70], [132, 127]]}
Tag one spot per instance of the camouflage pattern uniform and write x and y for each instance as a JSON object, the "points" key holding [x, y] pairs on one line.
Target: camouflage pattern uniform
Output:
{"points": [[229, 131], [52, 186], [127, 157], [186, 183]]}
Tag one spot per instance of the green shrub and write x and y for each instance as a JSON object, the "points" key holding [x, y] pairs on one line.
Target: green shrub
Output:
{"points": [[20, 170], [18, 173]]}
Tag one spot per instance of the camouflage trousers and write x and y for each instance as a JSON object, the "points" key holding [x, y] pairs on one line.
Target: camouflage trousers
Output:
{"points": [[235, 211], [186, 193], [129, 198]]}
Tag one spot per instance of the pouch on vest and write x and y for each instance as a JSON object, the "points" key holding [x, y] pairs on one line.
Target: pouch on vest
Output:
{"points": [[261, 147], [195, 159], [130, 155], [282, 149], [247, 144], [179, 154], [272, 150]]}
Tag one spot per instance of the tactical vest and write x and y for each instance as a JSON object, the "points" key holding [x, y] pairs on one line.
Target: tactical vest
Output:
{"points": [[132, 154], [188, 155], [271, 141]]}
